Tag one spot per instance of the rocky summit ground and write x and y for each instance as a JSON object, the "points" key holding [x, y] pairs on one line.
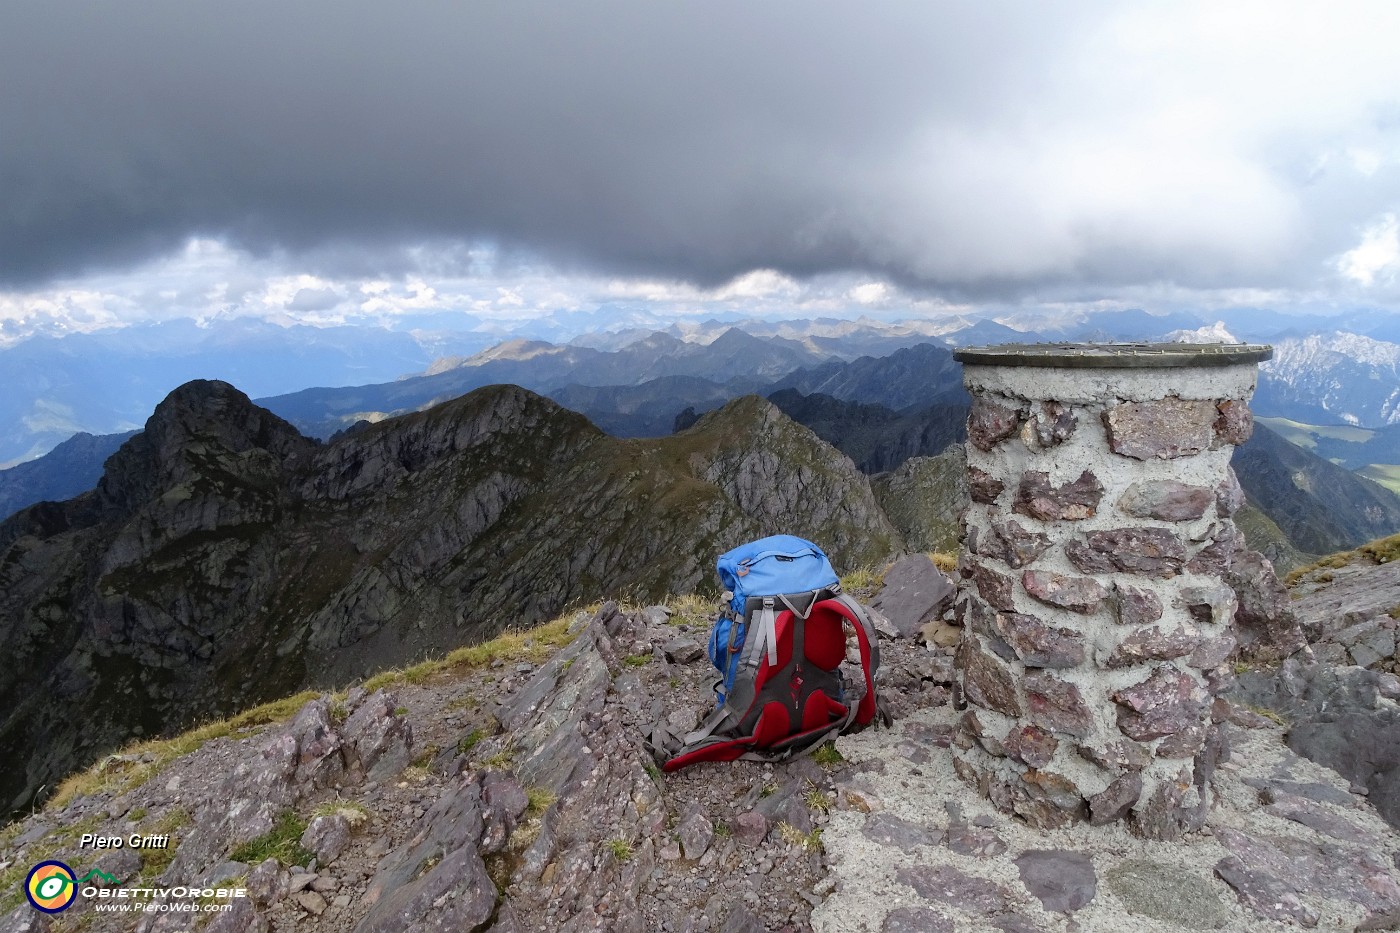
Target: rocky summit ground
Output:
{"points": [[508, 789]]}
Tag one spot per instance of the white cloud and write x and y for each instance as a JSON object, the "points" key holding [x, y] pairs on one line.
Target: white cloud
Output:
{"points": [[870, 293], [1377, 256]]}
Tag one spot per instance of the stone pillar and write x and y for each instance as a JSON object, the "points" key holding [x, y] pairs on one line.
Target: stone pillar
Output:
{"points": [[1095, 621]]}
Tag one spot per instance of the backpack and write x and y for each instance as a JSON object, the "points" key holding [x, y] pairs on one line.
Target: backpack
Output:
{"points": [[778, 646]]}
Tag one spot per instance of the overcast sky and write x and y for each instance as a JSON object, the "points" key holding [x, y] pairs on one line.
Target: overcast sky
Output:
{"points": [[323, 160]]}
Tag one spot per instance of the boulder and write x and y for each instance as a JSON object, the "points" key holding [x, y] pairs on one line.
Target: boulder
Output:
{"points": [[914, 593]]}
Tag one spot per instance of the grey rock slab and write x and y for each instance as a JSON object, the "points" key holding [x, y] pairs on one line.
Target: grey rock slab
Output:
{"points": [[1336, 720], [453, 825], [1320, 818], [914, 592], [952, 886], [1062, 881], [1271, 789], [696, 832], [1165, 893], [1326, 869], [1265, 894], [684, 650], [910, 919], [455, 894], [890, 830], [327, 837], [751, 828]]}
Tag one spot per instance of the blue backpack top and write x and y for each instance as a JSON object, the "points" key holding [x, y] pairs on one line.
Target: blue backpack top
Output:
{"points": [[773, 566]]}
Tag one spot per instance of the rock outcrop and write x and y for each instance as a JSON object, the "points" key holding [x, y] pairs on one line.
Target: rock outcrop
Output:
{"points": [[512, 793]]}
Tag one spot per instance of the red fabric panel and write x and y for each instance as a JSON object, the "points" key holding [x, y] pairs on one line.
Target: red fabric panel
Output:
{"points": [[866, 711], [820, 710], [719, 751], [825, 638], [773, 724]]}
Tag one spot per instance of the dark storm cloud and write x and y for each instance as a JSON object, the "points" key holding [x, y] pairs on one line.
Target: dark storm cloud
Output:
{"points": [[914, 141]]}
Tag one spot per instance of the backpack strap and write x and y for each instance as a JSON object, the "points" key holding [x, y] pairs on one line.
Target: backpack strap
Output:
{"points": [[869, 709]]}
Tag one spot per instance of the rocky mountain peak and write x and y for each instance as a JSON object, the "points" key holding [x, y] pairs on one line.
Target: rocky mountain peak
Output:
{"points": [[497, 418], [747, 413], [202, 426]]}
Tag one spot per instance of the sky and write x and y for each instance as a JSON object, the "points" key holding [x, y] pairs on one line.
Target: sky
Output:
{"points": [[325, 162]]}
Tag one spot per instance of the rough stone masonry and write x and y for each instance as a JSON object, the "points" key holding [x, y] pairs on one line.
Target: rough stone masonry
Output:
{"points": [[1095, 621]]}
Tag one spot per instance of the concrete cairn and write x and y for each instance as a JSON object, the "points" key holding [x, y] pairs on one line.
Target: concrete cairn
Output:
{"points": [[1095, 622]]}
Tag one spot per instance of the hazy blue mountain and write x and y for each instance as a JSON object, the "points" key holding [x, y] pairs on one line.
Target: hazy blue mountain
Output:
{"points": [[876, 437], [915, 377], [545, 368], [1134, 324], [71, 468], [1263, 325], [109, 381], [988, 332], [840, 338], [650, 409]]}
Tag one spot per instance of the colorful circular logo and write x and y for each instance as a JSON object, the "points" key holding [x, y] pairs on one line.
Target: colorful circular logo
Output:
{"points": [[50, 887]]}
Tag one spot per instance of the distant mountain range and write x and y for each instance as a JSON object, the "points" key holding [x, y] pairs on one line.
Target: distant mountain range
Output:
{"points": [[70, 469], [105, 382], [880, 411], [1331, 378], [1333, 392]]}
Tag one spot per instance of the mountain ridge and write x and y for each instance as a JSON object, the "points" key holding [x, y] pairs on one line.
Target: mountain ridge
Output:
{"points": [[225, 558]]}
